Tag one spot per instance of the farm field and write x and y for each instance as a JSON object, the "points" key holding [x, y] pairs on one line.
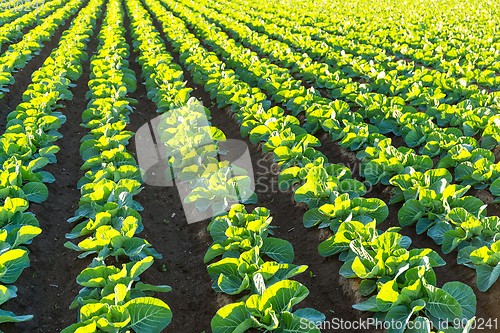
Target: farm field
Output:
{"points": [[244, 166]]}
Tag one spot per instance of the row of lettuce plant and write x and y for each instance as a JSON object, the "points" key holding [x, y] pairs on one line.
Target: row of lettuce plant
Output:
{"points": [[471, 114], [13, 11], [476, 113], [14, 30], [442, 44], [242, 238], [239, 237], [474, 166], [450, 219], [189, 142], [247, 236], [112, 299], [372, 49], [18, 55], [374, 168], [207, 69], [27, 147], [284, 89], [356, 134]]}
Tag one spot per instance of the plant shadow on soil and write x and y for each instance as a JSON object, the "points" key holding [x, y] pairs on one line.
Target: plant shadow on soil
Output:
{"points": [[48, 286]]}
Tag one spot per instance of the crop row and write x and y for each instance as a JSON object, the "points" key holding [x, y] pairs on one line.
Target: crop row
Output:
{"points": [[380, 162], [17, 55], [206, 69], [348, 127], [11, 10], [242, 267], [380, 102], [27, 146], [442, 44], [112, 299]]}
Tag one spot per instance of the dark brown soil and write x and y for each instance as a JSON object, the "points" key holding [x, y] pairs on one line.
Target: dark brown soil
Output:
{"points": [[48, 287]]}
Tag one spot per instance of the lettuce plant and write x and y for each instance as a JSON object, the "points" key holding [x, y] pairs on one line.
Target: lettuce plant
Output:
{"points": [[220, 189], [241, 238], [404, 280], [485, 260], [269, 310], [113, 173], [479, 173], [318, 183], [273, 126], [434, 204], [383, 161], [238, 231], [110, 214], [13, 212], [491, 134], [461, 226], [329, 116], [109, 241], [344, 209], [103, 195], [438, 144], [113, 300], [408, 184], [463, 153], [18, 181], [237, 272]]}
